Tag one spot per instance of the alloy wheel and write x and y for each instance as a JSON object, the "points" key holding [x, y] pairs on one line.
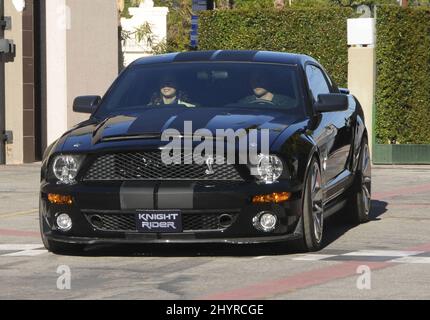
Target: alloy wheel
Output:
{"points": [[317, 202], [366, 179]]}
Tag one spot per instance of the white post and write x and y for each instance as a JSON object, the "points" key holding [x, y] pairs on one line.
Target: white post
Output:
{"points": [[56, 68], [362, 66]]}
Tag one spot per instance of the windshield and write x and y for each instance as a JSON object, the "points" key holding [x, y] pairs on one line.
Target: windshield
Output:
{"points": [[205, 85]]}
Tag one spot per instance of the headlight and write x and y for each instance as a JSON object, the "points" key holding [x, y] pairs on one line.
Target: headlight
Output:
{"points": [[269, 168], [65, 168]]}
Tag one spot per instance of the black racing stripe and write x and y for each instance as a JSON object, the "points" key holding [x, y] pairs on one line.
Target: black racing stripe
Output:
{"points": [[156, 188], [176, 195], [228, 55], [152, 120], [198, 118], [137, 195], [194, 56]]}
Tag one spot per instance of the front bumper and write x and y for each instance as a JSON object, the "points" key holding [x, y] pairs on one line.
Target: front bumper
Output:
{"points": [[171, 239], [193, 199]]}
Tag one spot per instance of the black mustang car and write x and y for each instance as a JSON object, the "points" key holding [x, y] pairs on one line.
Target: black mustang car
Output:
{"points": [[208, 147]]}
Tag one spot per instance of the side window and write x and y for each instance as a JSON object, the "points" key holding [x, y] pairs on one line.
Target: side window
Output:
{"points": [[317, 82]]}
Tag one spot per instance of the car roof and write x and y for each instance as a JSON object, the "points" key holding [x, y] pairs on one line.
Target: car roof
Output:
{"points": [[227, 56]]}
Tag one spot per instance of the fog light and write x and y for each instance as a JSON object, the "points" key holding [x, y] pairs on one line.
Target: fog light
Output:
{"points": [[64, 222], [265, 221], [60, 199]]}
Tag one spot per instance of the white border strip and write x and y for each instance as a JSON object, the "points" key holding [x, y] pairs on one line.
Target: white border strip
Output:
{"points": [[314, 257], [19, 247], [26, 253], [382, 253], [425, 260]]}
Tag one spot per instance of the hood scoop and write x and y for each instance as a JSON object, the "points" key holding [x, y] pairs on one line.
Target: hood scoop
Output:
{"points": [[144, 136]]}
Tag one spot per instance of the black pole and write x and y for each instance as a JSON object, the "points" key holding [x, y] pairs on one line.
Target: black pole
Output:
{"points": [[210, 4], [2, 94], [39, 22]]}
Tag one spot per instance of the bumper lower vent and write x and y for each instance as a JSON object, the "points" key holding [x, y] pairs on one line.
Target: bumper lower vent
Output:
{"points": [[125, 222]]}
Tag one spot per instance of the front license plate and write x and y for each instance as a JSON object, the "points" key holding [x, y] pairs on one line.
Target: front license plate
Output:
{"points": [[159, 221]]}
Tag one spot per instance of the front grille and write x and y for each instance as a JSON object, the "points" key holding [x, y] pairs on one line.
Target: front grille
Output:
{"points": [[127, 223], [134, 166], [201, 222]]}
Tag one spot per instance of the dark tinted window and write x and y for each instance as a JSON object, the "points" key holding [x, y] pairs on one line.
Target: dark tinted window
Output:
{"points": [[317, 82], [206, 85]]}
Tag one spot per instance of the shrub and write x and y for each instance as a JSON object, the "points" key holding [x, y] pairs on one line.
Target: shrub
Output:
{"points": [[318, 32], [403, 75]]}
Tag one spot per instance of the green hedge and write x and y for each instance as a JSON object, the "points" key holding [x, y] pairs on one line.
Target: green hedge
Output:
{"points": [[403, 75], [320, 33]]}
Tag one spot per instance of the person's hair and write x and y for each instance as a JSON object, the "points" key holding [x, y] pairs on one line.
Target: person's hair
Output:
{"points": [[157, 98], [260, 78]]}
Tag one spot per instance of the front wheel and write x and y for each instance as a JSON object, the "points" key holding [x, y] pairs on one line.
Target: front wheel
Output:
{"points": [[313, 210]]}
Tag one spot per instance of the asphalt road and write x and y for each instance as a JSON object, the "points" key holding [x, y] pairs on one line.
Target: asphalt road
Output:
{"points": [[387, 258]]}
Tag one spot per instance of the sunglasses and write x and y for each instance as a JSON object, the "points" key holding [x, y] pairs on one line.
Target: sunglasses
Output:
{"points": [[169, 84]]}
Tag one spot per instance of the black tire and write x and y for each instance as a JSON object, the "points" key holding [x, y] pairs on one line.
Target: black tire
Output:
{"points": [[57, 247], [359, 202], [312, 229]]}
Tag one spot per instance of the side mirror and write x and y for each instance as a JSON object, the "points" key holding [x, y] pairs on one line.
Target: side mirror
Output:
{"points": [[344, 91], [331, 102], [86, 104]]}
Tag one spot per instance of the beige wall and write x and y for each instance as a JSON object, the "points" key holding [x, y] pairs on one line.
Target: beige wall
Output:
{"points": [[14, 88], [56, 70], [362, 80], [82, 57], [92, 50]]}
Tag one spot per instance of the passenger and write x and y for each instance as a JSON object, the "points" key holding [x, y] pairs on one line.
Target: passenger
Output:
{"points": [[169, 94], [260, 86]]}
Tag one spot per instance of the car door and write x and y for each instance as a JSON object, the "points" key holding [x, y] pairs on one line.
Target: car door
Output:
{"points": [[334, 133]]}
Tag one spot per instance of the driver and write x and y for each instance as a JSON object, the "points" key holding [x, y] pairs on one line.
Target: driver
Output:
{"points": [[169, 94], [260, 86]]}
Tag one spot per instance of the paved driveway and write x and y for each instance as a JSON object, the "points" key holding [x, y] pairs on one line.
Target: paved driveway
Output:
{"points": [[387, 258]]}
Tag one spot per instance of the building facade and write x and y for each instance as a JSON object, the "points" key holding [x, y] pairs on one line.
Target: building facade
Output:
{"points": [[63, 48]]}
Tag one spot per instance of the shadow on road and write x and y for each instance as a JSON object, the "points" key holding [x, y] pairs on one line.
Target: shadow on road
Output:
{"points": [[378, 209], [335, 229], [336, 226]]}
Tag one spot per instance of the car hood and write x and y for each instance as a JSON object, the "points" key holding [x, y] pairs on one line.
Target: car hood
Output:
{"points": [[145, 127]]}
